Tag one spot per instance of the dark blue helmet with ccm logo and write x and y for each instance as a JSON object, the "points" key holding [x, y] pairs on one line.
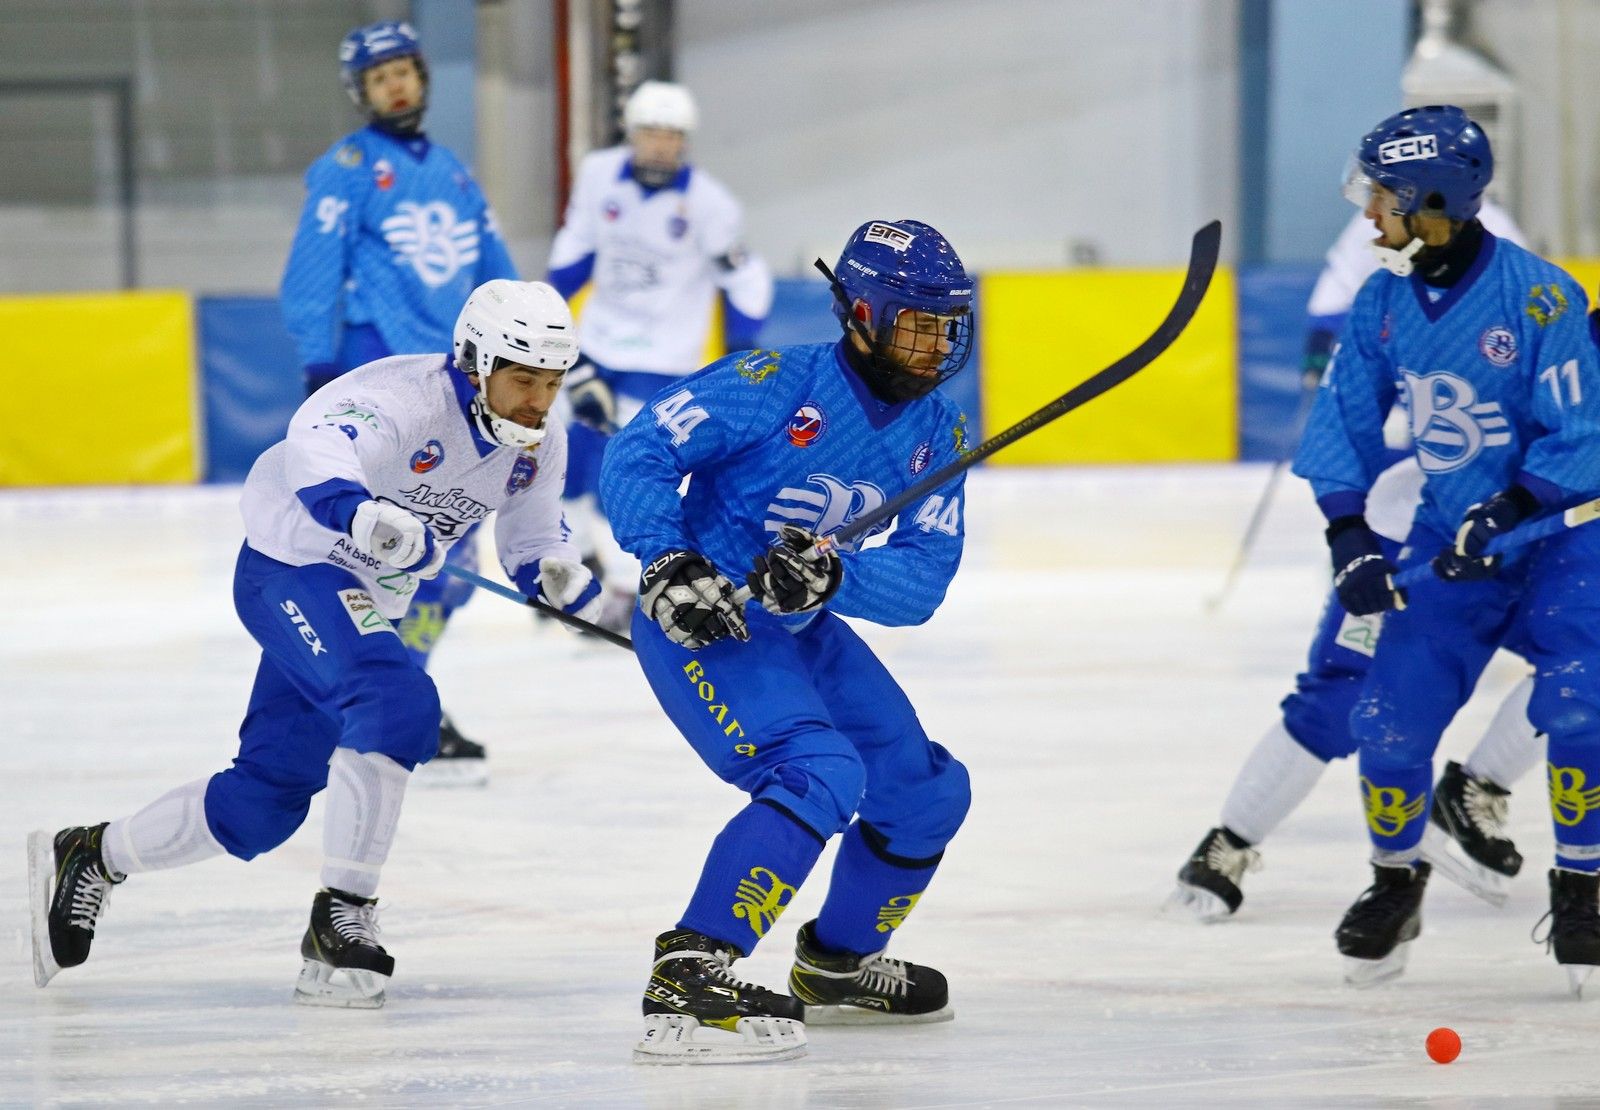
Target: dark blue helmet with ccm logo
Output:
{"points": [[1435, 160]]}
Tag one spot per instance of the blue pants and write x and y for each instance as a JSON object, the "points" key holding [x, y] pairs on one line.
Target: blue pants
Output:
{"points": [[1429, 659], [332, 674]]}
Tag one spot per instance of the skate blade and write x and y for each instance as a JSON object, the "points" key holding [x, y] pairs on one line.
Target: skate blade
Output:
{"points": [[1440, 849], [680, 1039], [860, 1015], [1202, 905], [447, 774], [1362, 974], [41, 868], [344, 987], [1577, 976]]}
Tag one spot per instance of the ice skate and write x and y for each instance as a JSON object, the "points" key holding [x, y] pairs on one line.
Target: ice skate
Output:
{"points": [[459, 761], [1208, 884], [1376, 933], [1574, 932], [1465, 839], [68, 887], [343, 963], [697, 1012], [843, 988]]}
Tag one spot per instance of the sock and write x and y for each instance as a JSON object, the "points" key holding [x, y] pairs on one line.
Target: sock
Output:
{"points": [[1574, 771], [364, 795], [1277, 776], [1510, 747], [1395, 800], [871, 892], [754, 867], [169, 832]]}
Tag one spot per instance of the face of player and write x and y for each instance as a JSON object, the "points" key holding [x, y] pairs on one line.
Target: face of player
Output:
{"points": [[657, 149], [393, 86], [1392, 231], [524, 394], [920, 342]]}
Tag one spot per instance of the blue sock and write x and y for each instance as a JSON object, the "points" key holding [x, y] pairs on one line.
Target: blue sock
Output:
{"points": [[1574, 778], [755, 865], [871, 893]]}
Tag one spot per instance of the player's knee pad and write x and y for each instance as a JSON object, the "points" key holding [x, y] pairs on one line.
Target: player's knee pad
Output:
{"points": [[933, 812], [1563, 719], [823, 792], [1387, 743], [1317, 714], [394, 712], [252, 808]]}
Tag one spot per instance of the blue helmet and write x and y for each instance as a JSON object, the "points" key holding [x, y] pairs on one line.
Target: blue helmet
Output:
{"points": [[373, 45], [1435, 159], [889, 267]]}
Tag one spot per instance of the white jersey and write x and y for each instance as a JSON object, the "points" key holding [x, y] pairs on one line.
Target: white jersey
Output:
{"points": [[1350, 261], [398, 428], [659, 260], [1393, 499]]}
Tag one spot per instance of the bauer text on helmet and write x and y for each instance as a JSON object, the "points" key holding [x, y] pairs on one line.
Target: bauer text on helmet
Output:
{"points": [[524, 329], [905, 301]]}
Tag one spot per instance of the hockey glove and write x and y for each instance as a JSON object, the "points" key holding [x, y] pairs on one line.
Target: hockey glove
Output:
{"points": [[593, 401], [1362, 577], [570, 587], [692, 603], [1465, 562], [391, 535], [786, 581]]}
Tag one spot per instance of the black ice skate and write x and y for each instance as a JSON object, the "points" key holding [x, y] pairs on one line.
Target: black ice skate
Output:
{"points": [[1574, 917], [1379, 927], [691, 989], [343, 963], [1466, 836], [459, 761], [843, 988], [1208, 884], [68, 885]]}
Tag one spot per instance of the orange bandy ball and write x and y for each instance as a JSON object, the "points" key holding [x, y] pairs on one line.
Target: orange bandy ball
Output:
{"points": [[1443, 1045]]}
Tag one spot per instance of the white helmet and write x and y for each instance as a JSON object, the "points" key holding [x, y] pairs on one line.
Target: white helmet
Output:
{"points": [[522, 322], [660, 104]]}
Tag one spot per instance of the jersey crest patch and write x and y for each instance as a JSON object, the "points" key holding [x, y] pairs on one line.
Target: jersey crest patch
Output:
{"points": [[1546, 304], [430, 455], [824, 505], [807, 424], [677, 227], [383, 174], [348, 156], [522, 475], [919, 458], [757, 366], [611, 210], [1498, 345], [960, 433], [363, 612]]}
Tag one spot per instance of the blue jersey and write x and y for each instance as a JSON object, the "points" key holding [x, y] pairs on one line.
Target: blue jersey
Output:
{"points": [[395, 234], [792, 436], [1498, 376]]}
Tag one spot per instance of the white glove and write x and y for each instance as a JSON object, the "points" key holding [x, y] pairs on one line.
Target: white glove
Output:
{"points": [[391, 535], [563, 583]]}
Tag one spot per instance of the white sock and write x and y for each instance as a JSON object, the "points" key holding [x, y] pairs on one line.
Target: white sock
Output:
{"points": [[1510, 748], [169, 832], [364, 795], [1276, 777]]}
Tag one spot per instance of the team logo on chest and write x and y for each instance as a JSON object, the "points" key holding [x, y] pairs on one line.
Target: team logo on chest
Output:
{"points": [[1448, 423], [677, 226], [522, 474], [824, 505], [430, 455], [431, 240], [1498, 345], [807, 424], [383, 174], [611, 210], [919, 458]]}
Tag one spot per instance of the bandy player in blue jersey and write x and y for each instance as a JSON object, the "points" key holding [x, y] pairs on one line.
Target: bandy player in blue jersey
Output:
{"points": [[1488, 349], [394, 235], [783, 699]]}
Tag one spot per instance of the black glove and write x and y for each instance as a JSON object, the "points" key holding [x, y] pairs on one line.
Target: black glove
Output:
{"points": [[1465, 562], [692, 603], [1362, 577], [785, 581], [593, 401]]}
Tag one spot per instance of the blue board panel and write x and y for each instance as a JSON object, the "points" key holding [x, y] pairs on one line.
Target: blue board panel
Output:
{"points": [[251, 381], [1272, 335]]}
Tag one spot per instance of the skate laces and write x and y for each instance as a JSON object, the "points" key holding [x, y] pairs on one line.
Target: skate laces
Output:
{"points": [[1230, 861], [1485, 809], [356, 921], [89, 898], [883, 975], [718, 964]]}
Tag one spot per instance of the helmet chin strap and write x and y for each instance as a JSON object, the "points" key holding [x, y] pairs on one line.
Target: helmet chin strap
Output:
{"points": [[507, 433], [1400, 262]]}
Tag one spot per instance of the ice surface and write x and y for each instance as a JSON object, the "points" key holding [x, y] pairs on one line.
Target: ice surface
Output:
{"points": [[1073, 669]]}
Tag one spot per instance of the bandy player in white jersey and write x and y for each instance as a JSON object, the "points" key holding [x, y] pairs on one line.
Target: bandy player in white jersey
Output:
{"points": [[658, 241], [382, 471]]}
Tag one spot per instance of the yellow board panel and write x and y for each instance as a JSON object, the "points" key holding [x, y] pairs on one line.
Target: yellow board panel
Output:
{"points": [[1586, 271], [98, 389], [1041, 333]]}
